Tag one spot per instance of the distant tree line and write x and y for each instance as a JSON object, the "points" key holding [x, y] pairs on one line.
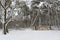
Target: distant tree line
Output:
{"points": [[22, 14]]}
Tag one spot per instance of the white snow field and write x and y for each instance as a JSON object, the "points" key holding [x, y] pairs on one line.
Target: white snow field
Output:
{"points": [[30, 35]]}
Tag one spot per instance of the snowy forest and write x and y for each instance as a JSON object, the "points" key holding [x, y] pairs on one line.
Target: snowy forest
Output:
{"points": [[34, 14]]}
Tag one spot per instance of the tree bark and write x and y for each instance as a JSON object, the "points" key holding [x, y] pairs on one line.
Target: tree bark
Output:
{"points": [[4, 22], [4, 30]]}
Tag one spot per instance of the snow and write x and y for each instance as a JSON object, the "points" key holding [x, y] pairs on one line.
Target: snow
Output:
{"points": [[29, 34], [13, 3], [41, 3], [29, 6]]}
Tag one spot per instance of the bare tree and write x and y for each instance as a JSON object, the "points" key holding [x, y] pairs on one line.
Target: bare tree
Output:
{"points": [[5, 6]]}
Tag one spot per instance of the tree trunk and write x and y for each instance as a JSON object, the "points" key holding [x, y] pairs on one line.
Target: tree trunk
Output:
{"points": [[5, 27], [4, 31]]}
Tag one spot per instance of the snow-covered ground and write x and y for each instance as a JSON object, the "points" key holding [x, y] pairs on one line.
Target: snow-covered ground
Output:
{"points": [[30, 35]]}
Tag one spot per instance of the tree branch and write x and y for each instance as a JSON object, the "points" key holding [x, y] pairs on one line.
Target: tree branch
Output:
{"points": [[2, 5], [8, 5], [8, 21]]}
